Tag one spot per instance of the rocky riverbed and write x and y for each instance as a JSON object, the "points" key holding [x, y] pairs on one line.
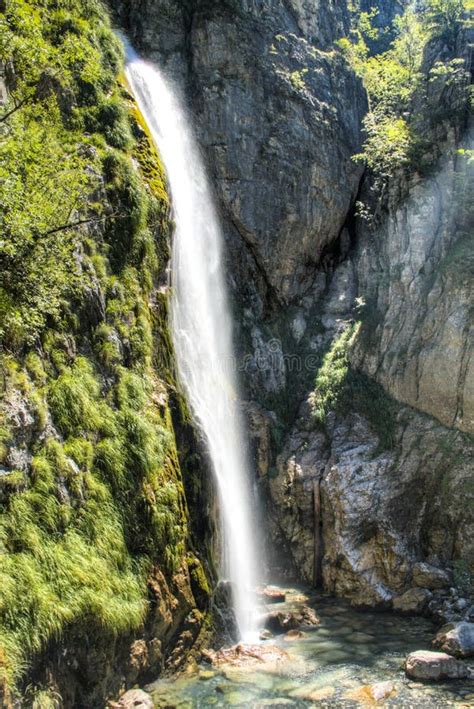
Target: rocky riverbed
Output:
{"points": [[348, 659]]}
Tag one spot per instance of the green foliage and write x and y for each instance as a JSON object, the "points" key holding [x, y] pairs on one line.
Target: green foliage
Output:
{"points": [[84, 211], [62, 64], [79, 535], [339, 388], [394, 77], [445, 18], [297, 79], [332, 374]]}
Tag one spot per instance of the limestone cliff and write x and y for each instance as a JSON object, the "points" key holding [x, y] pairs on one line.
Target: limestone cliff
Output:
{"points": [[385, 483]]}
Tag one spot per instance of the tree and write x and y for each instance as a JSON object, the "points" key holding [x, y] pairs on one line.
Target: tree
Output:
{"points": [[445, 18]]}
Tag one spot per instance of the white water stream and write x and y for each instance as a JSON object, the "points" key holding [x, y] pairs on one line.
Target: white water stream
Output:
{"points": [[202, 329]]}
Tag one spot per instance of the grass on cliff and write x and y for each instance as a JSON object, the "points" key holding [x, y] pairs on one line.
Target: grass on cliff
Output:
{"points": [[342, 389], [98, 500]]}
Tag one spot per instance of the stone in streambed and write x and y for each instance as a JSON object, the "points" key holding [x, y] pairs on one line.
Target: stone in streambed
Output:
{"points": [[456, 639], [135, 699], [206, 675], [361, 638], [372, 694], [294, 635], [434, 666], [312, 694], [278, 622], [249, 657], [270, 594]]}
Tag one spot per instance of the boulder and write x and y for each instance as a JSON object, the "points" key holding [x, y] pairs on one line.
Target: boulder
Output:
{"points": [[135, 699], [248, 657], [456, 639], [372, 694], [278, 622], [270, 594], [434, 666], [427, 576], [415, 600]]}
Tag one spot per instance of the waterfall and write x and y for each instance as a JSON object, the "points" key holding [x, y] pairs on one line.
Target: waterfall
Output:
{"points": [[201, 323]]}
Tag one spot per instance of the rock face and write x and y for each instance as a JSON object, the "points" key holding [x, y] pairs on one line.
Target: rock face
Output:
{"points": [[278, 115], [415, 600], [456, 639], [383, 489], [434, 666], [417, 285]]}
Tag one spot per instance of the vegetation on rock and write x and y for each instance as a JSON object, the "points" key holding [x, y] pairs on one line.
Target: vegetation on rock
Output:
{"points": [[400, 120], [91, 496]]}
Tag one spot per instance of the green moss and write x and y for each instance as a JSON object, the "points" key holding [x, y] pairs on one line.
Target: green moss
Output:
{"points": [[102, 501]]}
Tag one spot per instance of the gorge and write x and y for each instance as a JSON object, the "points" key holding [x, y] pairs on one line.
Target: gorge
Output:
{"points": [[282, 310]]}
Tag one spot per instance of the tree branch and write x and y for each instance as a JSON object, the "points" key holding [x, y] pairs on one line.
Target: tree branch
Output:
{"points": [[65, 227], [16, 108]]}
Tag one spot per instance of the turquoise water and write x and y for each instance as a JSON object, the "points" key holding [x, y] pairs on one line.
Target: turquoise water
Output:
{"points": [[325, 668]]}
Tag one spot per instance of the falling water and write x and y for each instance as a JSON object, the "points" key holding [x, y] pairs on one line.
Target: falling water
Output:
{"points": [[202, 328]]}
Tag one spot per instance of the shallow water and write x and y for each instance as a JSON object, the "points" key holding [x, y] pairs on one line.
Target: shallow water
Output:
{"points": [[348, 650]]}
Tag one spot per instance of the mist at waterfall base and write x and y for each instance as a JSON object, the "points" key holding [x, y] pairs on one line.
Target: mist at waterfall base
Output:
{"points": [[202, 329]]}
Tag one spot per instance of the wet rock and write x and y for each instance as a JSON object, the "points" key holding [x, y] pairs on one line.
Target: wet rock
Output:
{"points": [[269, 594], [456, 639], [312, 693], [206, 675], [320, 694], [372, 694], [415, 600], [427, 576], [434, 666], [249, 657], [135, 699], [293, 635], [279, 622]]}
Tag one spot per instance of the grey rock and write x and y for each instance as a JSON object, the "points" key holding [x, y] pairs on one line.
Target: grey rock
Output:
{"points": [[417, 282], [427, 576], [456, 639], [278, 114], [135, 699], [434, 666], [415, 600], [278, 141]]}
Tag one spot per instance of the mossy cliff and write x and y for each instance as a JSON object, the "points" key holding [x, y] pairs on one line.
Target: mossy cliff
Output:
{"points": [[99, 580]]}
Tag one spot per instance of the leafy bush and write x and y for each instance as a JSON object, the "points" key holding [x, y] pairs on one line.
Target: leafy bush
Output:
{"points": [[332, 374], [340, 388], [393, 78]]}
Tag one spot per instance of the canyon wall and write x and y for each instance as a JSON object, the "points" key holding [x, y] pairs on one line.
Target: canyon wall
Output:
{"points": [[384, 483]]}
